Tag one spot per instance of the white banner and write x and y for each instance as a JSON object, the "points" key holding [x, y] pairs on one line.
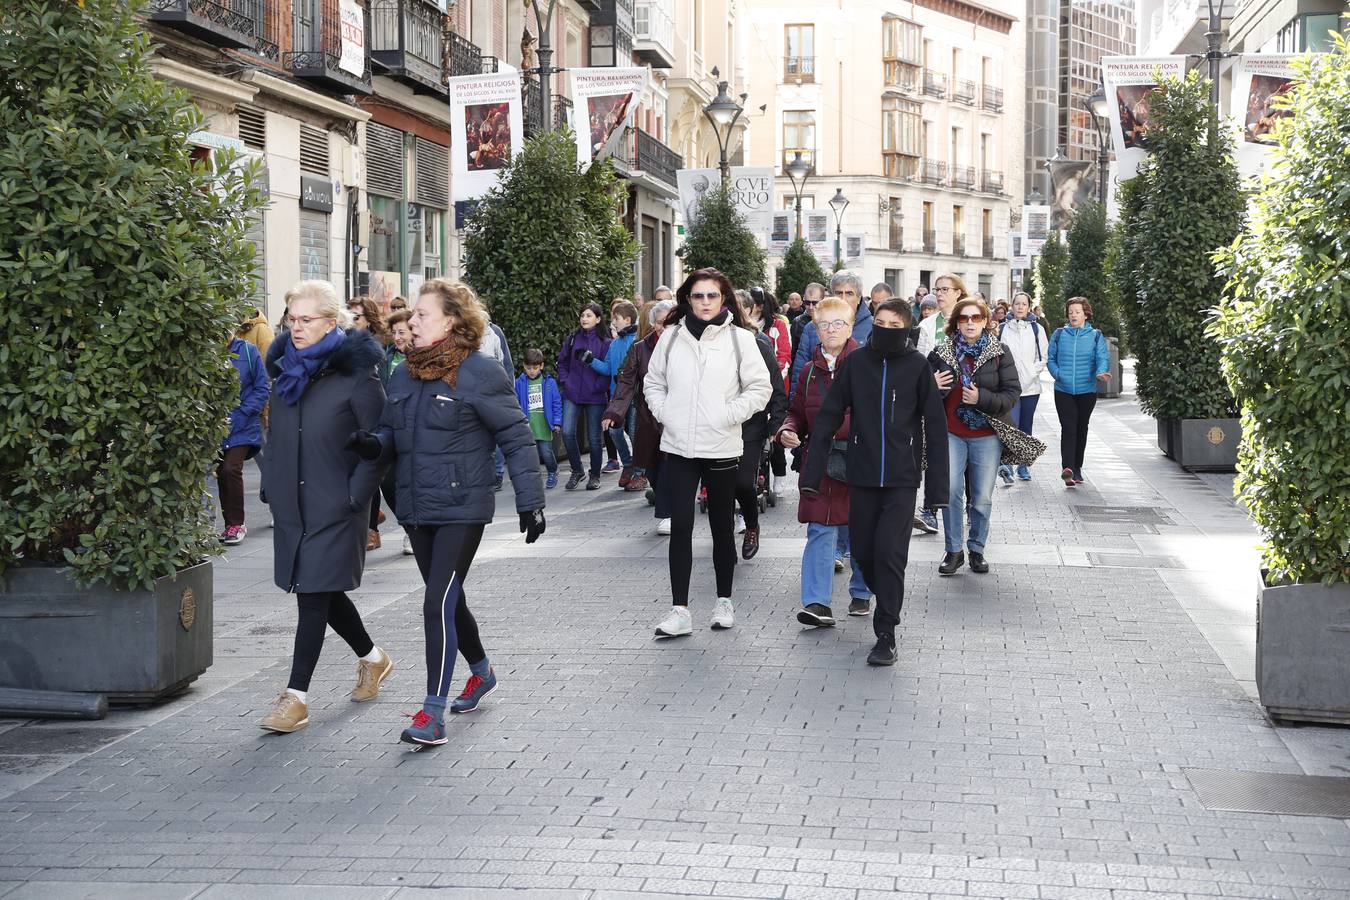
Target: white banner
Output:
{"points": [[751, 191], [1035, 227], [1019, 258], [603, 103], [486, 131], [1259, 81], [1129, 81], [352, 26], [781, 232], [855, 251], [819, 228]]}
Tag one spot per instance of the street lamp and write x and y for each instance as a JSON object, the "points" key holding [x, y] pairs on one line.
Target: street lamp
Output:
{"points": [[1097, 106], [545, 68], [798, 171], [723, 112], [838, 203]]}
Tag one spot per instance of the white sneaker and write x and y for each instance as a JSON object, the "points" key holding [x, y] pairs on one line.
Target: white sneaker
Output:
{"points": [[677, 624], [407, 546], [663, 527], [740, 524], [724, 614]]}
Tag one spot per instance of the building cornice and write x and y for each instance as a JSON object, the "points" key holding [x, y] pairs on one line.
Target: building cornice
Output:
{"points": [[199, 83], [968, 11], [306, 98]]}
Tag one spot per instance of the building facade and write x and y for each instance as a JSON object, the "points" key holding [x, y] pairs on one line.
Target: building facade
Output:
{"points": [[912, 111]]}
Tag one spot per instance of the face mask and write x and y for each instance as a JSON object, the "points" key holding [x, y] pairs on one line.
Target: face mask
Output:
{"points": [[888, 341]]}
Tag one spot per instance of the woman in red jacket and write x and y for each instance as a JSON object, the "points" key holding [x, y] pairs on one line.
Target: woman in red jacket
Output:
{"points": [[823, 513]]}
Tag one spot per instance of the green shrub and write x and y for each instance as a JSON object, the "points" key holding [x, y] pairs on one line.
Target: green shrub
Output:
{"points": [[1087, 272], [546, 241], [719, 239], [1051, 266], [1284, 335], [124, 270], [800, 267], [1125, 264], [1190, 204]]}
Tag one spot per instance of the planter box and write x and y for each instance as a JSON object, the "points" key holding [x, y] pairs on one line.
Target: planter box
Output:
{"points": [[1303, 651], [1109, 390], [1206, 445], [1167, 434], [135, 646]]}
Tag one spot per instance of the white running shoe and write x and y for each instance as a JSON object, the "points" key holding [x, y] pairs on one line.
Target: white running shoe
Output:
{"points": [[724, 614], [407, 546], [740, 524], [677, 624], [663, 527]]}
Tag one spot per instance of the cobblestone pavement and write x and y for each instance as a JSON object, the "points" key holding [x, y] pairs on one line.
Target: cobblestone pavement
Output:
{"points": [[1031, 742]]}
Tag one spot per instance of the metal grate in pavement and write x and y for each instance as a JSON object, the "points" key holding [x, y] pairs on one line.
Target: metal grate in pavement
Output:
{"points": [[1264, 792], [29, 739], [1137, 515], [1134, 561]]}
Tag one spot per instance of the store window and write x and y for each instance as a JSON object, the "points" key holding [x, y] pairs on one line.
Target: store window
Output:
{"points": [[384, 234]]}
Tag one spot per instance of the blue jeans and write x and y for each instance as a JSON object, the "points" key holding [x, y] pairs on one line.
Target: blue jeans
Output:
{"points": [[547, 457], [979, 457], [1024, 413], [499, 462], [620, 438], [818, 566], [842, 545], [572, 415]]}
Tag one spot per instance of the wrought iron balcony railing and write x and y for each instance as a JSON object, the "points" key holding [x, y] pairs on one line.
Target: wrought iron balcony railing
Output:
{"points": [[934, 83], [993, 98], [931, 171], [991, 182], [223, 23], [963, 177], [965, 91], [407, 41], [316, 54], [465, 56]]}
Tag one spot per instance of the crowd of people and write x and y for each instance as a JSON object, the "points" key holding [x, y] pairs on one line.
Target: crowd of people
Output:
{"points": [[894, 411]]}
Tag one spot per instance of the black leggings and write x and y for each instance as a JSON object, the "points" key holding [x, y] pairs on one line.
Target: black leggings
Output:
{"points": [[317, 612], [879, 525], [444, 554], [719, 476], [1075, 411], [778, 460], [747, 477]]}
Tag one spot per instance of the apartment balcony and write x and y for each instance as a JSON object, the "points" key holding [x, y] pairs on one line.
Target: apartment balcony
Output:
{"points": [[465, 56], [316, 53], [562, 108], [654, 33], [491, 65], [237, 24], [991, 182], [934, 83], [987, 247], [895, 237], [929, 241], [799, 69], [931, 171], [611, 33], [958, 245], [993, 99], [656, 159], [590, 5], [963, 177], [901, 76], [407, 42], [965, 91]]}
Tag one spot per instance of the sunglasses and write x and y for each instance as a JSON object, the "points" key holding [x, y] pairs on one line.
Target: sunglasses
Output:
{"points": [[810, 302], [974, 318], [712, 296]]}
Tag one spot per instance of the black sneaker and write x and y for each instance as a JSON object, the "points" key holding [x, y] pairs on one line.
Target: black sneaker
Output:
{"points": [[573, 480], [859, 607], [594, 483], [977, 563], [816, 615], [883, 654], [497, 485], [952, 562]]}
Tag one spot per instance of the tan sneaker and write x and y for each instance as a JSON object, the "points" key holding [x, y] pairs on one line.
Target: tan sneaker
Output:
{"points": [[288, 715], [369, 675]]}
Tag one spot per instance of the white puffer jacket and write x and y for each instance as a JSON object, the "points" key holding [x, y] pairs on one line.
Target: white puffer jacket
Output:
{"points": [[693, 389], [1028, 346]]}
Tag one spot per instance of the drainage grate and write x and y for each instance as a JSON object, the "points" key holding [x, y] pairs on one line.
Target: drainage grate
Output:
{"points": [[1134, 561], [1263, 792], [31, 739], [1139, 515]]}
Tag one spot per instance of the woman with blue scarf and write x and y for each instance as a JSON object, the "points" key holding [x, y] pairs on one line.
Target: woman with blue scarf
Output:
{"points": [[984, 388]]}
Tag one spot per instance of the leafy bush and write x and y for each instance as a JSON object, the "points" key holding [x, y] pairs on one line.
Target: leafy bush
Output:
{"points": [[1284, 336], [1087, 272], [1190, 204], [1051, 266], [125, 270], [1124, 266], [547, 240], [719, 239], [800, 267]]}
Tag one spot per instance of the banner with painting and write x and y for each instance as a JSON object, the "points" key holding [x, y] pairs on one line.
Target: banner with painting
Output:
{"points": [[603, 103], [1035, 226], [1130, 80], [1261, 84], [819, 234], [486, 130], [751, 191], [855, 251], [782, 232]]}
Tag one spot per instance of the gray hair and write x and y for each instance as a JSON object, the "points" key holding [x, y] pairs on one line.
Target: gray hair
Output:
{"points": [[663, 287], [330, 305], [845, 277], [657, 314]]}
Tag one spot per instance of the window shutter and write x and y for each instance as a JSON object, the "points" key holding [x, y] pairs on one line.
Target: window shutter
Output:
{"points": [[313, 244], [384, 160], [433, 175], [314, 151], [253, 127]]}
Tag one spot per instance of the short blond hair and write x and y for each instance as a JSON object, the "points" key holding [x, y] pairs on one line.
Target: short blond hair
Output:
{"points": [[330, 305], [459, 300], [839, 305]]}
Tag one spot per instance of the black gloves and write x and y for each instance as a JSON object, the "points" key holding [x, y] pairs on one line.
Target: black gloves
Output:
{"points": [[584, 355], [532, 525], [366, 445]]}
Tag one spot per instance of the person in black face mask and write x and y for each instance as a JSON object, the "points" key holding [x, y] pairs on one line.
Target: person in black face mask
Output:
{"points": [[891, 391]]}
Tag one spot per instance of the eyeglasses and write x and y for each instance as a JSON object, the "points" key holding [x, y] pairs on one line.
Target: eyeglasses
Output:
{"points": [[357, 315], [304, 321], [810, 302], [943, 289], [836, 325], [714, 295], [973, 318]]}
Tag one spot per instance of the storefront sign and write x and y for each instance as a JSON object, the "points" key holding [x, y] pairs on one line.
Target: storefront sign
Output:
{"points": [[316, 193]]}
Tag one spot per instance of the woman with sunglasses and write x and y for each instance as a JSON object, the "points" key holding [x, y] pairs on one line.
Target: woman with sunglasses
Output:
{"points": [[705, 378], [985, 385]]}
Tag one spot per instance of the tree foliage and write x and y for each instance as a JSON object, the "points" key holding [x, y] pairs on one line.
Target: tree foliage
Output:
{"points": [[125, 269], [1051, 267], [1087, 272], [1284, 336], [800, 267], [719, 239], [1190, 204], [1124, 262], [547, 240]]}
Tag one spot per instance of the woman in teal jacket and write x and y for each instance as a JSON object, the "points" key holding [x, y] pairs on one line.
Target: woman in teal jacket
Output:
{"points": [[1078, 357]]}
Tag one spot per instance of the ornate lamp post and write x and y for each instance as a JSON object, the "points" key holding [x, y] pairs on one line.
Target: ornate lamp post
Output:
{"points": [[1098, 107], [723, 113], [838, 203], [545, 68], [798, 171]]}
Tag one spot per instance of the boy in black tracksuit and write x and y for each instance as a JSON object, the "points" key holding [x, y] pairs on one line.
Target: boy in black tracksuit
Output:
{"points": [[889, 388]]}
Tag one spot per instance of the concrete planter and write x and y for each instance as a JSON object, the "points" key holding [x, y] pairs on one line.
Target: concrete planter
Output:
{"points": [[1167, 437], [1206, 445], [1109, 390], [1303, 651], [135, 646]]}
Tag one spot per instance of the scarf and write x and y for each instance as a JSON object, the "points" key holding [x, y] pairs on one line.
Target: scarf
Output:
{"points": [[697, 326], [440, 361], [966, 354], [298, 367]]}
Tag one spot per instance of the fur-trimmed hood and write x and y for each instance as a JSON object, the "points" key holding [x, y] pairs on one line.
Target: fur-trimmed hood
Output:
{"points": [[359, 352]]}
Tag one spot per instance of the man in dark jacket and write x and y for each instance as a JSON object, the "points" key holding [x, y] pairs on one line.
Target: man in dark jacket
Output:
{"points": [[815, 292], [892, 389]]}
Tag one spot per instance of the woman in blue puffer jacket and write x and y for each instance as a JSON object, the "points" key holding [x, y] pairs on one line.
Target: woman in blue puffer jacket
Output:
{"points": [[1078, 357]]}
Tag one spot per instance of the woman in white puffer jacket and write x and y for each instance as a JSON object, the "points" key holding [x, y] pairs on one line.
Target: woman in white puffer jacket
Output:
{"points": [[1026, 337], [705, 378]]}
